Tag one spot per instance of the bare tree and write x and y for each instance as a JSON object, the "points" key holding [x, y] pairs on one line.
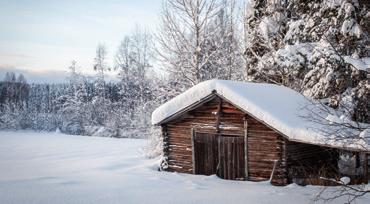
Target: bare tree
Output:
{"points": [[133, 61], [100, 102], [134, 53], [350, 192], [227, 62], [100, 59], [337, 128], [185, 32]]}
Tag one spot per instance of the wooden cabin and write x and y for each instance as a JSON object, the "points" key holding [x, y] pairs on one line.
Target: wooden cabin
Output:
{"points": [[227, 128]]}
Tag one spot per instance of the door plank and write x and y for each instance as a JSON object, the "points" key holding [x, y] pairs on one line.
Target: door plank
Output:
{"points": [[205, 156], [231, 157]]}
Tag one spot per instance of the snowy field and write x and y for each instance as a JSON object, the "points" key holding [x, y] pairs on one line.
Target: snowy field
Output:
{"points": [[44, 168]]}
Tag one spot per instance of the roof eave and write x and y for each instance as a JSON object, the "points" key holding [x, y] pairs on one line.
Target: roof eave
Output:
{"points": [[188, 108]]}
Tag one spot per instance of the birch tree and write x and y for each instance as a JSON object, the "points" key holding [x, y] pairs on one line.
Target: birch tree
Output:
{"points": [[184, 36], [100, 103], [227, 62], [133, 61]]}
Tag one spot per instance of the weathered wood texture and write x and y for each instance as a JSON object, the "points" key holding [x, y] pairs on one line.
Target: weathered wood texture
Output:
{"points": [[206, 151], [203, 119], [219, 154], [265, 147], [231, 157], [367, 167], [307, 163]]}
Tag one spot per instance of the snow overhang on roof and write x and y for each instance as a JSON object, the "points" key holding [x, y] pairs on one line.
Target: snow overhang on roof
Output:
{"points": [[281, 108]]}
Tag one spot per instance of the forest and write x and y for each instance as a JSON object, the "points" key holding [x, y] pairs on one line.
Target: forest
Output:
{"points": [[319, 48]]}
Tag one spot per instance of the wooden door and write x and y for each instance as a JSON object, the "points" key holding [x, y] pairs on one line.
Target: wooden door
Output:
{"points": [[231, 157], [205, 153]]}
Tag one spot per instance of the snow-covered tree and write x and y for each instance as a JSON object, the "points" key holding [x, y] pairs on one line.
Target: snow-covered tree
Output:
{"points": [[100, 60], [317, 48], [133, 60], [306, 45], [100, 104], [14, 93], [227, 60], [134, 53], [74, 104]]}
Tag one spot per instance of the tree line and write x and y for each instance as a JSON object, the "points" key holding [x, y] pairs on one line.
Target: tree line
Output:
{"points": [[304, 45]]}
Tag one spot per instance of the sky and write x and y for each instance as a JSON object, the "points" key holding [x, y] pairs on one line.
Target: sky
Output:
{"points": [[40, 38]]}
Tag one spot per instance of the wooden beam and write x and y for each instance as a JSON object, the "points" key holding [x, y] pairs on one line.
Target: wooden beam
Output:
{"points": [[366, 170], [192, 148], [246, 148], [165, 139], [218, 115]]}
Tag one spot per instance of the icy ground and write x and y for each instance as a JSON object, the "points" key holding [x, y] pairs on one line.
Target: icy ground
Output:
{"points": [[47, 168]]}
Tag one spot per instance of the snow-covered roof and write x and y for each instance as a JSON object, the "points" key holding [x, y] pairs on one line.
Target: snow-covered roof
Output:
{"points": [[283, 109]]}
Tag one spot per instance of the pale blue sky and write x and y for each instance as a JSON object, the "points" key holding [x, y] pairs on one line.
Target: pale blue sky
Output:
{"points": [[41, 36]]}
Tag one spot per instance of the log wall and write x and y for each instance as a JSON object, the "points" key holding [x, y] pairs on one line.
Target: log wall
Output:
{"points": [[202, 119], [179, 133], [265, 146]]}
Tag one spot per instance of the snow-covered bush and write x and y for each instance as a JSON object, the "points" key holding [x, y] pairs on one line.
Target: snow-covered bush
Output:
{"points": [[155, 144]]}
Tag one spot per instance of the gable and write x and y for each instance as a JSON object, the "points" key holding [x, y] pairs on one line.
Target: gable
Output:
{"points": [[215, 115]]}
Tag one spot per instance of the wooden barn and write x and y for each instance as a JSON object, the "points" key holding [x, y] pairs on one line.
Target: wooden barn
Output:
{"points": [[256, 132]]}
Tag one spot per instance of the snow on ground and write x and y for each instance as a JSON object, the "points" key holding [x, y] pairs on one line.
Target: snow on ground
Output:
{"points": [[38, 168]]}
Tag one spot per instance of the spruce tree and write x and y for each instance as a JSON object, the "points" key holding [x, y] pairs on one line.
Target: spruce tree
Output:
{"points": [[311, 46]]}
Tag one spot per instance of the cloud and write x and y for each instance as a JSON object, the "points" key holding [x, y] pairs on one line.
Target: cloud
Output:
{"points": [[13, 55], [32, 76], [51, 76]]}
